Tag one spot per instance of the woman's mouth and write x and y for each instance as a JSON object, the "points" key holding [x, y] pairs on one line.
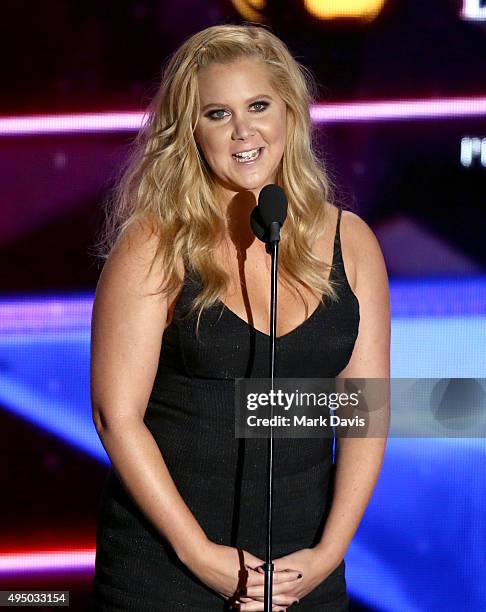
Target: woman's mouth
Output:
{"points": [[247, 157]]}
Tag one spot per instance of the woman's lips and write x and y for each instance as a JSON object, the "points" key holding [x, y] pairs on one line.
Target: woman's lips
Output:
{"points": [[251, 160]]}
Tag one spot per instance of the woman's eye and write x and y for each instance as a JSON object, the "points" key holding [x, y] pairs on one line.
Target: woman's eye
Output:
{"points": [[220, 113], [216, 114], [263, 105]]}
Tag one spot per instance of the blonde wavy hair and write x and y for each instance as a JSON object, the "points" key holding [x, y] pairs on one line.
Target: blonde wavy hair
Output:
{"points": [[167, 185]]}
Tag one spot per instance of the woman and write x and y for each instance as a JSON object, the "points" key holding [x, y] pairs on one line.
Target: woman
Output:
{"points": [[181, 311]]}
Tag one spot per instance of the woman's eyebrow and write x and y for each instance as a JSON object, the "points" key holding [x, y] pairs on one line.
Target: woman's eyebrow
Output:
{"points": [[258, 97]]}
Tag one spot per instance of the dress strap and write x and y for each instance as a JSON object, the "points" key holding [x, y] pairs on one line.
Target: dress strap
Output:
{"points": [[338, 262], [336, 265], [337, 238]]}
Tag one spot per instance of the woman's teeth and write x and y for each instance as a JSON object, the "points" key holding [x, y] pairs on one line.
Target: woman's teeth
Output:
{"points": [[246, 156]]}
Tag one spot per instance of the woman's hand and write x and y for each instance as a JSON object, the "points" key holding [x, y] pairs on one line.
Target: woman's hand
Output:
{"points": [[311, 563], [232, 573]]}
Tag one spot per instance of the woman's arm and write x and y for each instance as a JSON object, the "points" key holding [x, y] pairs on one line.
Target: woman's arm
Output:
{"points": [[127, 329], [359, 460]]}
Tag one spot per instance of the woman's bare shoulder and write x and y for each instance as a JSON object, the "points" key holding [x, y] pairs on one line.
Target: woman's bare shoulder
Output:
{"points": [[359, 245], [134, 256], [361, 248], [137, 243]]}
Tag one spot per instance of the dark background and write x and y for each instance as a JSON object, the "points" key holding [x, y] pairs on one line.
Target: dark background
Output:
{"points": [[65, 56]]}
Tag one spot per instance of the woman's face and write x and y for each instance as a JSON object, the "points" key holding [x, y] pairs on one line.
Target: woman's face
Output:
{"points": [[240, 113]]}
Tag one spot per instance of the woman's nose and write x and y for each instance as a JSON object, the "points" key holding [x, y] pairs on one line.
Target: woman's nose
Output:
{"points": [[242, 129]]}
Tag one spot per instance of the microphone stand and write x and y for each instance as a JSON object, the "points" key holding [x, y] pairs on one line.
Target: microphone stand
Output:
{"points": [[272, 248]]}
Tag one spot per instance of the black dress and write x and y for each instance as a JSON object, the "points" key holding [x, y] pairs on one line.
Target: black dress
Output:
{"points": [[221, 478]]}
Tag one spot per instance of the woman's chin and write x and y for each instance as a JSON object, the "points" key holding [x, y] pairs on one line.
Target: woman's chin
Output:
{"points": [[241, 186]]}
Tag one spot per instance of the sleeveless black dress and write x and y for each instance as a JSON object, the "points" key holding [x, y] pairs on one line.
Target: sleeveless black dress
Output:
{"points": [[222, 479]]}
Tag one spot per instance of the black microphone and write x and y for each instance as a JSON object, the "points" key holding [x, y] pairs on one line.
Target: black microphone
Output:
{"points": [[266, 219], [269, 215]]}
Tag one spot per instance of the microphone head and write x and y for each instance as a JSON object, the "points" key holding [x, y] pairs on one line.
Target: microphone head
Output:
{"points": [[257, 225], [272, 205]]}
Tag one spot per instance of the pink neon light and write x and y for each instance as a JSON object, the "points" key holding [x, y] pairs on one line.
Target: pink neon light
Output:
{"points": [[391, 110], [71, 124], [45, 314], [81, 559]]}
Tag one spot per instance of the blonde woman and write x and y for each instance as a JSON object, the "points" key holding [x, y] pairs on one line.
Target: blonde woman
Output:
{"points": [[181, 311]]}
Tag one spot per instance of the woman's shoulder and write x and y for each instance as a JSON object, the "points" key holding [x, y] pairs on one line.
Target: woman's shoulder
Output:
{"points": [[137, 249], [361, 251]]}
